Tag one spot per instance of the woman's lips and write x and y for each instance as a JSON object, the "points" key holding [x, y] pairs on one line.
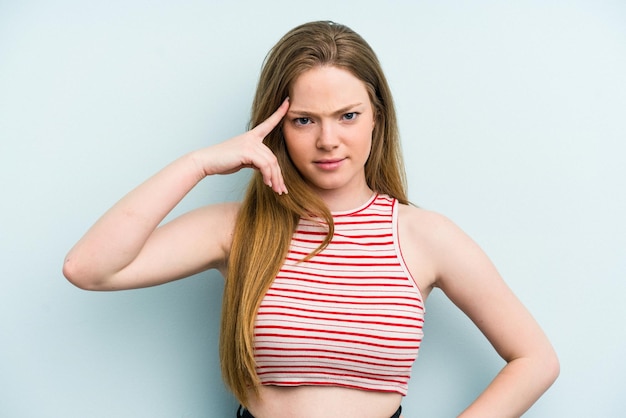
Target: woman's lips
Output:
{"points": [[329, 164]]}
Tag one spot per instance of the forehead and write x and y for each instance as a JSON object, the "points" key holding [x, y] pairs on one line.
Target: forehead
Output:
{"points": [[324, 86]]}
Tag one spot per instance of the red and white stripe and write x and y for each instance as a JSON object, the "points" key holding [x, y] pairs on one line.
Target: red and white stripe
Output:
{"points": [[351, 316]]}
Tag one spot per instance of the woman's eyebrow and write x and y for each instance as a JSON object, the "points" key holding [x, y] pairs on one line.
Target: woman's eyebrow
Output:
{"points": [[341, 111]]}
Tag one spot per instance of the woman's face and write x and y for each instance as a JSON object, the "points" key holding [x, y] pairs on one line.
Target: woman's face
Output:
{"points": [[328, 133]]}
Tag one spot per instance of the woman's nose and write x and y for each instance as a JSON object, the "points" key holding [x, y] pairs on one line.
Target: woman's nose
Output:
{"points": [[327, 138]]}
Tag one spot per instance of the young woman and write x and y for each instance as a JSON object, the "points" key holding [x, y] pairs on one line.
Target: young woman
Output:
{"points": [[327, 266]]}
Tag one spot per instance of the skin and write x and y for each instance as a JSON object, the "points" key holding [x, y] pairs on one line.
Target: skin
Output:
{"points": [[328, 132], [327, 126]]}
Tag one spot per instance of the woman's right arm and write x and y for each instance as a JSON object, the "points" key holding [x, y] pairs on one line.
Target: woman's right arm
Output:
{"points": [[126, 248]]}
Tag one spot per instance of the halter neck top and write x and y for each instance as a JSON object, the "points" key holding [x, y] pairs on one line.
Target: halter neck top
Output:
{"points": [[351, 315]]}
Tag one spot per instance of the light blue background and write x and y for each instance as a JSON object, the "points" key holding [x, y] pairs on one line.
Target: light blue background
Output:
{"points": [[513, 120]]}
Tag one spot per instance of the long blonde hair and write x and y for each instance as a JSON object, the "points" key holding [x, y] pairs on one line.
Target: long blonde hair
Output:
{"points": [[266, 221]]}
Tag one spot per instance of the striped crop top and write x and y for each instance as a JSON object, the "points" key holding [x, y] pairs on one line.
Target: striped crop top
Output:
{"points": [[350, 316]]}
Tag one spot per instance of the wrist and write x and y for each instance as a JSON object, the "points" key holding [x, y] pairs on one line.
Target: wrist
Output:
{"points": [[198, 163]]}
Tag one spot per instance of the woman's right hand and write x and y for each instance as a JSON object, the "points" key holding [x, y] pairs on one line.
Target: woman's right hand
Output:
{"points": [[246, 151], [126, 248]]}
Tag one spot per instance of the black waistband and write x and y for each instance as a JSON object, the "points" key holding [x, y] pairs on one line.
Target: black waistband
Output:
{"points": [[244, 413]]}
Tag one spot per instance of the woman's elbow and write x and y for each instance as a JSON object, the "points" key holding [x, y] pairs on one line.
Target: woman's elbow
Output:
{"points": [[79, 276], [553, 367], [548, 368]]}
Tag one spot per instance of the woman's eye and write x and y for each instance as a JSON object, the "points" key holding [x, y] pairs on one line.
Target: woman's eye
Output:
{"points": [[350, 116], [302, 121]]}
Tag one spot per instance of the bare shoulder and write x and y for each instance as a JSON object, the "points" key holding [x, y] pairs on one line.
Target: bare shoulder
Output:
{"points": [[225, 212], [458, 265], [423, 221], [213, 224], [422, 236], [195, 241], [434, 231], [461, 269], [428, 238]]}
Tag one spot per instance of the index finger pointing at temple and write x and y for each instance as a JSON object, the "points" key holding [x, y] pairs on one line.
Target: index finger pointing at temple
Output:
{"points": [[265, 127]]}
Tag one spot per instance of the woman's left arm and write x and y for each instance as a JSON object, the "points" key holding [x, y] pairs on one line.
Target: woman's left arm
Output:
{"points": [[467, 276]]}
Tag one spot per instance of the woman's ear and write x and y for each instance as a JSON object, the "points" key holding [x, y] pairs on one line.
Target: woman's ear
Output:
{"points": [[377, 115]]}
